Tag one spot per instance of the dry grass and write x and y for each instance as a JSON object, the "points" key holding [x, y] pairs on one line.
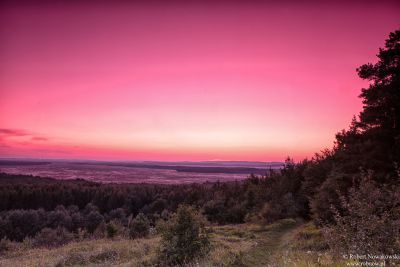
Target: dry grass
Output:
{"points": [[304, 247], [247, 244], [100, 252], [285, 243], [229, 242]]}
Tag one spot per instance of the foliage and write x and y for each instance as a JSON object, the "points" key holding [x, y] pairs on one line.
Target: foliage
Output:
{"points": [[284, 198], [222, 203], [52, 237], [184, 237], [372, 141], [368, 221], [228, 249], [93, 220], [111, 230], [139, 226]]}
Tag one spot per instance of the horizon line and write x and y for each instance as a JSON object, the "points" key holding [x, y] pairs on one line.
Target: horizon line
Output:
{"points": [[97, 160]]}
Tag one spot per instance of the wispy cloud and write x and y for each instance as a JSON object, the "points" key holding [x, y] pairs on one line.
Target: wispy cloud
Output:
{"points": [[39, 138], [13, 132], [23, 134]]}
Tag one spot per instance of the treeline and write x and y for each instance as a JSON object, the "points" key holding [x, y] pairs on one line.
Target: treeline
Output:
{"points": [[353, 190], [80, 204]]}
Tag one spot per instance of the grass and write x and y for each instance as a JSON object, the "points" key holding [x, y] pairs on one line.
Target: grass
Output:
{"points": [[304, 247], [287, 242], [268, 242], [100, 252]]}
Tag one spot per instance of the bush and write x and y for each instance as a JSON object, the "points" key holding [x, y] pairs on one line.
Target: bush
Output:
{"points": [[184, 237], [111, 230], [310, 238], [5, 245], [271, 212], [18, 224], [118, 215], [52, 237], [139, 227], [368, 220], [93, 220]]}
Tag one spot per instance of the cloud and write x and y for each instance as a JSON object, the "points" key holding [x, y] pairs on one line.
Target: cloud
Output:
{"points": [[13, 132], [39, 138], [20, 133]]}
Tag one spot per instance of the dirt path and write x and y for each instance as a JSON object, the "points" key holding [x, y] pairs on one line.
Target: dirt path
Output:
{"points": [[269, 241]]}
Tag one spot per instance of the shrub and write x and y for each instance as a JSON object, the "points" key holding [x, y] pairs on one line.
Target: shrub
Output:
{"points": [[184, 237], [139, 227], [19, 224], [118, 214], [93, 220], [111, 230], [285, 207], [100, 231], [52, 237], [77, 221], [59, 218], [271, 212], [368, 221], [5, 245]]}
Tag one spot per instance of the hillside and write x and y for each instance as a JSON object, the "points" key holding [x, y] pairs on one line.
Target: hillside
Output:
{"points": [[232, 245]]}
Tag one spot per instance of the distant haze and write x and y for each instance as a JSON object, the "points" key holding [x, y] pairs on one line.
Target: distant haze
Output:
{"points": [[139, 172]]}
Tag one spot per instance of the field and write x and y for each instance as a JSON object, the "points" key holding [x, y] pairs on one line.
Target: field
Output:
{"points": [[285, 243], [138, 172]]}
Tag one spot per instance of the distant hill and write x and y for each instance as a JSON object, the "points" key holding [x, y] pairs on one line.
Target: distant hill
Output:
{"points": [[228, 167]]}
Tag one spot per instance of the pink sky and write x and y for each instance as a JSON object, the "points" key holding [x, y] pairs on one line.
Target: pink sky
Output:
{"points": [[183, 81]]}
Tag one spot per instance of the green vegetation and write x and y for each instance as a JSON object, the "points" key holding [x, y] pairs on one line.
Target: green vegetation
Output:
{"points": [[305, 246], [230, 245], [184, 237], [111, 230], [139, 227], [96, 252], [369, 212]]}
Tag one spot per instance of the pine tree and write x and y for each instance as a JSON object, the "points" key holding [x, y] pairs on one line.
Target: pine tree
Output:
{"points": [[184, 237], [373, 140], [382, 98]]}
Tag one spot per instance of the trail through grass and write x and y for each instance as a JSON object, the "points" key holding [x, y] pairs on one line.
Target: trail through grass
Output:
{"points": [[268, 242]]}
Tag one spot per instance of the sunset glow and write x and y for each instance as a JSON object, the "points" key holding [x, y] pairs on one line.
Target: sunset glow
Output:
{"points": [[182, 81]]}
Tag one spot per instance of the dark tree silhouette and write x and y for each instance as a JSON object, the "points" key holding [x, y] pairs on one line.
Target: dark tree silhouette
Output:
{"points": [[372, 142], [382, 98]]}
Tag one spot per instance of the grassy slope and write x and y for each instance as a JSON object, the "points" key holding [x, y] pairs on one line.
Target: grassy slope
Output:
{"points": [[269, 240], [304, 246], [101, 252], [284, 243]]}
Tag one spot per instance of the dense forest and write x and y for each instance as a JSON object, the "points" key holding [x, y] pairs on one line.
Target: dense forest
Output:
{"points": [[351, 191], [79, 204]]}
